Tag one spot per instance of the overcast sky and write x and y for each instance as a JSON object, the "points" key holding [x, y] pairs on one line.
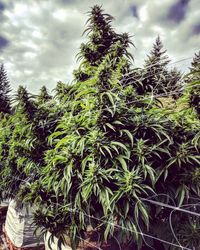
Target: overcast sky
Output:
{"points": [[40, 38]]}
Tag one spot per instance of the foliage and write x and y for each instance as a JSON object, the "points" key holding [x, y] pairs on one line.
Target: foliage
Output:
{"points": [[63, 92], [96, 153], [156, 77], [43, 96], [24, 140], [5, 104], [92, 168], [195, 67], [194, 77], [18, 145]]}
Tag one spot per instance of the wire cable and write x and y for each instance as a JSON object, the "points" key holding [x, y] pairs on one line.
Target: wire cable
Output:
{"points": [[140, 232]]}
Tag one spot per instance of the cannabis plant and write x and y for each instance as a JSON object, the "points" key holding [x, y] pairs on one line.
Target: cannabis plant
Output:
{"points": [[19, 144], [24, 140], [43, 96], [177, 174], [96, 154], [44, 122], [91, 170]]}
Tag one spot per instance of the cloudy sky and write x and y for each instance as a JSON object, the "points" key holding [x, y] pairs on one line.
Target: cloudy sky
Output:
{"points": [[40, 38]]}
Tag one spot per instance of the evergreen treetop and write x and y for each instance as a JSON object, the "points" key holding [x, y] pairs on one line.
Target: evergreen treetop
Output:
{"points": [[196, 62], [195, 67], [5, 104], [194, 78], [157, 78], [157, 57]]}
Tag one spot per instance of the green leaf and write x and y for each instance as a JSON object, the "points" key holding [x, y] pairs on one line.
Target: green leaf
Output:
{"points": [[121, 145], [61, 142], [181, 191], [120, 158], [129, 135], [144, 213], [110, 126], [108, 150]]}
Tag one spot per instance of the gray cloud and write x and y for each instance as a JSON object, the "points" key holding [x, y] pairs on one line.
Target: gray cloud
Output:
{"points": [[3, 42], [196, 29], [44, 36], [2, 6], [134, 10], [177, 11]]}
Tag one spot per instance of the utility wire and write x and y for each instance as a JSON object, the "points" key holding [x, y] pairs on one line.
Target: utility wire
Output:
{"points": [[134, 231], [143, 76], [172, 207], [170, 222]]}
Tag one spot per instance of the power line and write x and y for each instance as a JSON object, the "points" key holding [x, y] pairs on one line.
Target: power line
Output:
{"points": [[143, 73]]}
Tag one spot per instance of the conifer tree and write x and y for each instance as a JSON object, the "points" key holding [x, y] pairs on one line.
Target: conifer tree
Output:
{"points": [[155, 67], [194, 78], [5, 105], [195, 65], [156, 77], [174, 83]]}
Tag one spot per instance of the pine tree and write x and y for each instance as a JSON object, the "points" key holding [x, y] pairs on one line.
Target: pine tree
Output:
{"points": [[5, 104], [155, 68], [194, 78], [156, 77], [195, 67], [174, 83]]}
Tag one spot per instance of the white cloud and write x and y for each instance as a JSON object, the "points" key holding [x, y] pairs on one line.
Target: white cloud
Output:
{"points": [[45, 35]]}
